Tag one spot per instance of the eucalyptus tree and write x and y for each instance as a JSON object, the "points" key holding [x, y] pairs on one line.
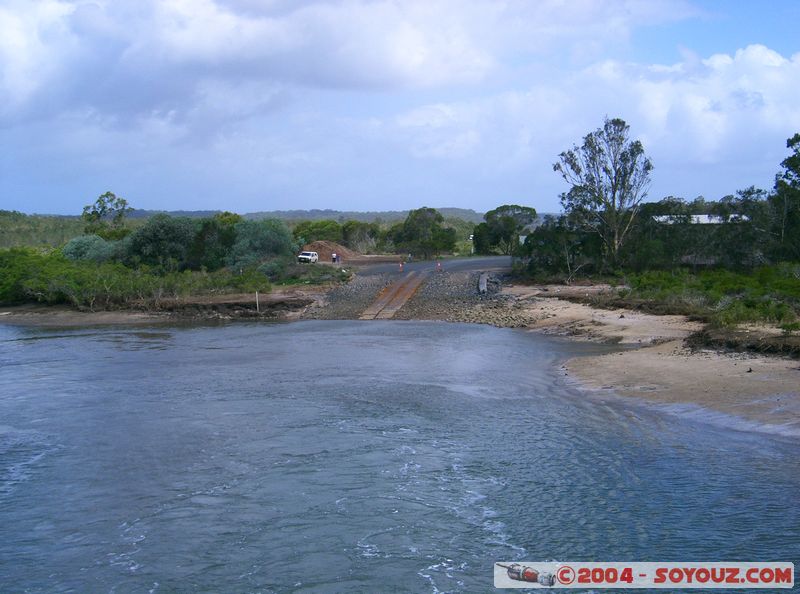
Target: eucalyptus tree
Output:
{"points": [[610, 175], [786, 202]]}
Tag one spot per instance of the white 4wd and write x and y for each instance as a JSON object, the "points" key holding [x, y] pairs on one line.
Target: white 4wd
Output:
{"points": [[308, 257]]}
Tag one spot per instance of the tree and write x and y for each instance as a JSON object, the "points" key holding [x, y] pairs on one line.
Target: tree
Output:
{"points": [[786, 202], [260, 240], [480, 239], [505, 223], [213, 241], [558, 245], [88, 247], [162, 241], [106, 217], [610, 175], [325, 230], [423, 233], [360, 236]]}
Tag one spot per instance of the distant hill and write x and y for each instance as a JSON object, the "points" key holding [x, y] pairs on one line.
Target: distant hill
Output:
{"points": [[351, 215], [317, 214], [139, 213]]}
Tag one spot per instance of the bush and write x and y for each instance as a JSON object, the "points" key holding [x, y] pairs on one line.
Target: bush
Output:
{"points": [[89, 247], [768, 294], [258, 240], [49, 277], [274, 269], [162, 241]]}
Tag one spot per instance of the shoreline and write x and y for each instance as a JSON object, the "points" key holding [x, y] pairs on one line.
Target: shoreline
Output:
{"points": [[653, 364], [281, 304]]}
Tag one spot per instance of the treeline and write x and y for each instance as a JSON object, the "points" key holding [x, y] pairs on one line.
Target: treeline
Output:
{"points": [[18, 229], [31, 275], [606, 228], [168, 244], [113, 263], [740, 232], [728, 261], [424, 232]]}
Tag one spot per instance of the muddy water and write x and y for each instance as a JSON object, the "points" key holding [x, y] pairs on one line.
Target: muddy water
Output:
{"points": [[352, 456]]}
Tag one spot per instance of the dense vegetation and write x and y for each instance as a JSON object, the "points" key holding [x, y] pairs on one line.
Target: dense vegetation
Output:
{"points": [[18, 229], [729, 260], [50, 277], [768, 294], [424, 232], [606, 228], [115, 263]]}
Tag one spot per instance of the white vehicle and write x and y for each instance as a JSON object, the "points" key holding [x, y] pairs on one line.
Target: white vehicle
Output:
{"points": [[308, 257]]}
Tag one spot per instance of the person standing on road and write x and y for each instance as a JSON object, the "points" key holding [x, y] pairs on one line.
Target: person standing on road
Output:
{"points": [[333, 257]]}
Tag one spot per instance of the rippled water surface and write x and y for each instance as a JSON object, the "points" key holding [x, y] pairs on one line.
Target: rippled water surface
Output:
{"points": [[352, 457]]}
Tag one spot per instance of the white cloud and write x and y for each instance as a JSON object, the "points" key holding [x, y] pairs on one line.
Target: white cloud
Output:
{"points": [[695, 114], [59, 54], [290, 90], [728, 114], [32, 35]]}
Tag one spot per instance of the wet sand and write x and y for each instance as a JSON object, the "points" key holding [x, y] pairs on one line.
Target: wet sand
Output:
{"points": [[761, 389]]}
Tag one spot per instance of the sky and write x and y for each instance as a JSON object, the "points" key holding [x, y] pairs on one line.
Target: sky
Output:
{"points": [[255, 105]]}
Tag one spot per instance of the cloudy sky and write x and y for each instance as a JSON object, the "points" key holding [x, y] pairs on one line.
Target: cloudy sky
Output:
{"points": [[253, 105]]}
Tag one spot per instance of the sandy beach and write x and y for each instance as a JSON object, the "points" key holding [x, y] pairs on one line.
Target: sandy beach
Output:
{"points": [[763, 390]]}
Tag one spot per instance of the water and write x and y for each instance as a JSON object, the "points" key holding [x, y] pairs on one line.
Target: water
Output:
{"points": [[352, 457]]}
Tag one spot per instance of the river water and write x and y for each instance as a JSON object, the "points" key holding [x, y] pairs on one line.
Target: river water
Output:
{"points": [[352, 457]]}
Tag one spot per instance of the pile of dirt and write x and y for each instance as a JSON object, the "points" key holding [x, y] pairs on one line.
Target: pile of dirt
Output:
{"points": [[326, 248]]}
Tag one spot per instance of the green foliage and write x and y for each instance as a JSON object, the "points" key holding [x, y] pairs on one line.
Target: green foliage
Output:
{"points": [[423, 233], [20, 230], [106, 217], [49, 277], [609, 175], [785, 204], [259, 240], [360, 236], [504, 225], [299, 274], [275, 269], [163, 241], [89, 247], [481, 240], [325, 230], [768, 294], [559, 246], [213, 242]]}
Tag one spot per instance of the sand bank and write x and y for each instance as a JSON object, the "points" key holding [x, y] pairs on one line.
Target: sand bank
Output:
{"points": [[761, 389]]}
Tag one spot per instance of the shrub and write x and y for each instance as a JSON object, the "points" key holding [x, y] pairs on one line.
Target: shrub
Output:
{"points": [[258, 240], [89, 247]]}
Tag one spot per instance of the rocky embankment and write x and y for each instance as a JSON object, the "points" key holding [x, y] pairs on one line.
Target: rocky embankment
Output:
{"points": [[454, 297], [445, 296], [348, 301]]}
